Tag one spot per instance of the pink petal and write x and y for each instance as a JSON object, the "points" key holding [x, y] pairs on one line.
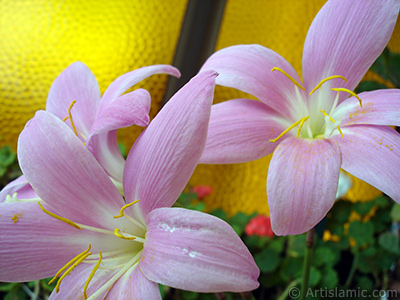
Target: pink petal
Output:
{"points": [[65, 174], [372, 153], [126, 81], [78, 83], [240, 131], [133, 285], [248, 68], [302, 181], [126, 110], [104, 148], [195, 251], [163, 158], [345, 38], [381, 107], [34, 245], [20, 186], [72, 285]]}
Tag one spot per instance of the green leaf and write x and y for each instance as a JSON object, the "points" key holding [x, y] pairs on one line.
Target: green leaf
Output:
{"points": [[363, 208], [7, 286], [324, 256], [362, 233], [364, 283], [291, 268], [315, 276], [186, 295], [395, 212], [330, 279], [369, 85], [277, 244], [389, 242], [7, 156], [268, 260], [219, 213]]}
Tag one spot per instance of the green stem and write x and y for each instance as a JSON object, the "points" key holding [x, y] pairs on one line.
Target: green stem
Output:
{"points": [[353, 268], [307, 264], [285, 293]]}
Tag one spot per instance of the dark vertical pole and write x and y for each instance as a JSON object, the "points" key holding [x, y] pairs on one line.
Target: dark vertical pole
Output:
{"points": [[197, 40]]}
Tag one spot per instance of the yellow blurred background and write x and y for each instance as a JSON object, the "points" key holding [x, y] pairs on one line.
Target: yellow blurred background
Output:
{"points": [[40, 38]]}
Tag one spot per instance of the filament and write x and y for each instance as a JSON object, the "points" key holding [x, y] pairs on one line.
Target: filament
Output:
{"points": [[348, 91], [96, 267], [69, 222], [121, 212], [325, 80], [288, 76], [301, 122]]}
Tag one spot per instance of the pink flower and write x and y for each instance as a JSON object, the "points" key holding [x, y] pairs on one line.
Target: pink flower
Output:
{"points": [[312, 127], [202, 190], [74, 97], [260, 225], [120, 249]]}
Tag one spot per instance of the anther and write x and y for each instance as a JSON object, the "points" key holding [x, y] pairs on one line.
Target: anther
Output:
{"points": [[301, 122], [288, 76], [96, 267], [348, 91], [325, 80], [69, 222], [118, 234], [121, 212], [70, 263]]}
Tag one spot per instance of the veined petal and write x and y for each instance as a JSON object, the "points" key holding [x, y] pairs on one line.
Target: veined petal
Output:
{"points": [[20, 186], [134, 285], [372, 153], [77, 83], [104, 148], [34, 245], [248, 68], [65, 174], [164, 157], [381, 107], [240, 130], [126, 110], [126, 81], [72, 285], [302, 181], [345, 38], [195, 251]]}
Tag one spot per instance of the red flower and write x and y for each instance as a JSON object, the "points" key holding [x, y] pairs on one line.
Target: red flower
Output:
{"points": [[202, 190], [260, 225]]}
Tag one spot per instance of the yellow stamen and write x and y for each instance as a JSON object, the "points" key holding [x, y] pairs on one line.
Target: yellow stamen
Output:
{"points": [[91, 275], [69, 222], [65, 119], [301, 121], [326, 115], [121, 212], [341, 133], [70, 117], [348, 91], [288, 76], [70, 263], [301, 125], [81, 259], [117, 233], [325, 80]]}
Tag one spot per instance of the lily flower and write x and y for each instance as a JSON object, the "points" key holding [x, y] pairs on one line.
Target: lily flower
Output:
{"points": [[74, 97], [102, 247], [312, 126]]}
